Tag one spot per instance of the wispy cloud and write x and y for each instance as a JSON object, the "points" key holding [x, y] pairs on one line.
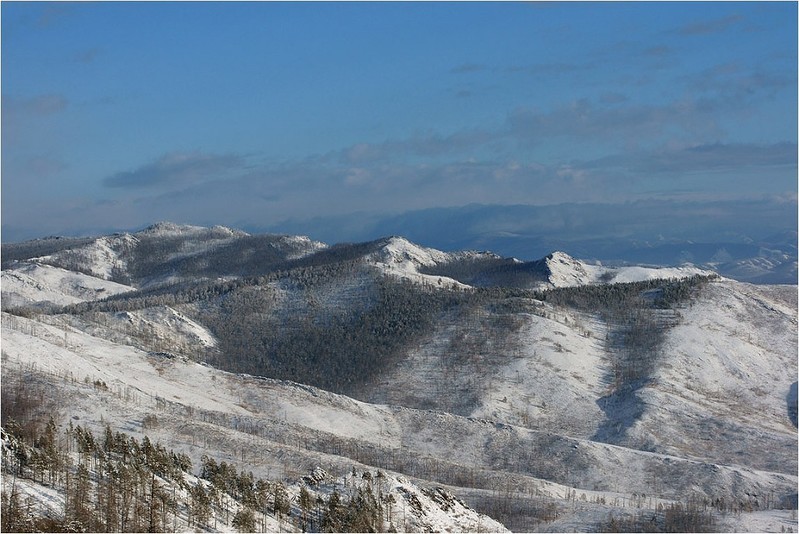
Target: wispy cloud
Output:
{"points": [[176, 168], [465, 68], [229, 192], [702, 167], [86, 56], [426, 145], [549, 69], [39, 105], [709, 26], [53, 13], [733, 82], [44, 165], [29, 117], [719, 157], [583, 119]]}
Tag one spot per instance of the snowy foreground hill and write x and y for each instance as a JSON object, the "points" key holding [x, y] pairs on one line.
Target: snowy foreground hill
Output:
{"points": [[408, 388]]}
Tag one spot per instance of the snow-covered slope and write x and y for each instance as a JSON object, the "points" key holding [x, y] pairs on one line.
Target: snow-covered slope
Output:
{"points": [[566, 271], [409, 508], [509, 402], [171, 230], [401, 258], [728, 370], [398, 250], [168, 253], [135, 384], [549, 389], [31, 283], [105, 257], [158, 329]]}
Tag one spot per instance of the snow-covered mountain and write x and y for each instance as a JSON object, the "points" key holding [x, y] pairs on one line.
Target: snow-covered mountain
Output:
{"points": [[550, 395], [404, 259], [164, 253], [762, 249]]}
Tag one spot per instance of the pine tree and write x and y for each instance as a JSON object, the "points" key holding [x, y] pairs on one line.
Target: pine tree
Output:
{"points": [[154, 508], [200, 504], [79, 500], [244, 520], [333, 518], [49, 444], [305, 506], [12, 514], [282, 504]]}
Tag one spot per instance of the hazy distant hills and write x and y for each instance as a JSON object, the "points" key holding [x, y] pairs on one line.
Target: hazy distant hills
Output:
{"points": [[551, 394], [760, 247], [752, 241]]}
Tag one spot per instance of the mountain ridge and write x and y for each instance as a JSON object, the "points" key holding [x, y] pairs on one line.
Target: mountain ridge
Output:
{"points": [[107, 256], [610, 233]]}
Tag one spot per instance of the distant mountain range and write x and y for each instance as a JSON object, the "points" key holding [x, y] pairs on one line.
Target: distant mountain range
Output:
{"points": [[752, 241]]}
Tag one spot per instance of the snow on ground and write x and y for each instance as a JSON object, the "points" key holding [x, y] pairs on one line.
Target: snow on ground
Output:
{"points": [[157, 378], [151, 383], [400, 250], [763, 521], [194, 239], [401, 258], [121, 367], [719, 379], [29, 283], [42, 500], [706, 406], [434, 510], [165, 323], [555, 379], [208, 238], [101, 257], [304, 244], [316, 409], [638, 274], [407, 506], [154, 384], [567, 271], [169, 229]]}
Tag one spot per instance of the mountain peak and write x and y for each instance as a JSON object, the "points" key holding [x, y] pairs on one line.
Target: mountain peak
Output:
{"points": [[397, 249], [566, 271], [161, 226], [167, 228], [561, 257]]}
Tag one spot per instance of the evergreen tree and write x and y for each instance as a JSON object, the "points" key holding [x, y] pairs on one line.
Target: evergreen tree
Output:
{"points": [[282, 504], [305, 506], [333, 520], [200, 505], [244, 520]]}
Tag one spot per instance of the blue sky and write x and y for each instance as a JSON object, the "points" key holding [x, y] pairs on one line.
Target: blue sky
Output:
{"points": [[116, 115]]}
